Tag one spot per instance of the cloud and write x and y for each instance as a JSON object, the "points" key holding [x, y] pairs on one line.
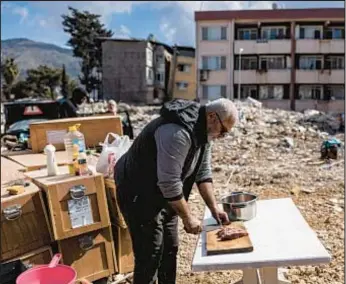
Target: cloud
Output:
{"points": [[168, 31], [22, 12], [122, 32], [177, 25], [184, 28]]}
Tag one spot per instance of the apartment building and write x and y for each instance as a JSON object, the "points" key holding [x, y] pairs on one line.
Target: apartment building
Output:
{"points": [[286, 58], [135, 70], [183, 73]]}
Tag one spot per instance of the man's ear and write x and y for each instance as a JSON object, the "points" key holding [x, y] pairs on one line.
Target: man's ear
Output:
{"points": [[211, 116]]}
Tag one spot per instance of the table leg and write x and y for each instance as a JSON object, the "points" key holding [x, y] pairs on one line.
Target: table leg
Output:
{"points": [[268, 275]]}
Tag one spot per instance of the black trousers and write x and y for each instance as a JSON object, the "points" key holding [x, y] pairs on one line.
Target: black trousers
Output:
{"points": [[154, 241]]}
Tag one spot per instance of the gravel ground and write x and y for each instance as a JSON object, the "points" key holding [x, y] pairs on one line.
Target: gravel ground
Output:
{"points": [[264, 164], [274, 154]]}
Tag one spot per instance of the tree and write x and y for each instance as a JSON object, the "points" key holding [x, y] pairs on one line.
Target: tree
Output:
{"points": [[9, 72], [64, 83], [21, 89], [44, 80], [85, 31]]}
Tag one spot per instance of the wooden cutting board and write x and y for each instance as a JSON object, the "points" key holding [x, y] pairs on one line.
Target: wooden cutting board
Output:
{"points": [[215, 246]]}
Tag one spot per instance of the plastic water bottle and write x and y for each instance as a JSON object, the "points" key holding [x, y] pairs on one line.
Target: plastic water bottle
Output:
{"points": [[74, 143], [52, 167]]}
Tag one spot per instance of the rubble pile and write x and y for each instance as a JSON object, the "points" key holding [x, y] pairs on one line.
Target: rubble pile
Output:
{"points": [[275, 154]]}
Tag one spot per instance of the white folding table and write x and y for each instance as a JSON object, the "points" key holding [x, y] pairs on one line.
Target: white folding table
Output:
{"points": [[280, 237]]}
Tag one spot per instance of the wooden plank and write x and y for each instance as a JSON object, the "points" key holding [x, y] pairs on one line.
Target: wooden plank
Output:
{"points": [[94, 128], [123, 250], [90, 254], [116, 216], [33, 162], [215, 246], [10, 171]]}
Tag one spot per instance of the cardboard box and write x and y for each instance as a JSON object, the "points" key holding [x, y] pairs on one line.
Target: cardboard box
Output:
{"points": [[94, 128]]}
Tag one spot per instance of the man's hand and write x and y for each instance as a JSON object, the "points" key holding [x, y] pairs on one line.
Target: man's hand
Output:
{"points": [[219, 215], [192, 225]]}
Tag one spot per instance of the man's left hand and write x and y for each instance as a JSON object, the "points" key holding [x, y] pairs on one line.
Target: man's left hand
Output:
{"points": [[220, 216]]}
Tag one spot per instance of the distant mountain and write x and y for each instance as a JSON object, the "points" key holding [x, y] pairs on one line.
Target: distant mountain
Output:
{"points": [[30, 54]]}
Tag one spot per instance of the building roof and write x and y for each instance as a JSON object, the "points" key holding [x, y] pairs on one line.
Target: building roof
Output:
{"points": [[166, 46], [313, 13], [187, 51]]}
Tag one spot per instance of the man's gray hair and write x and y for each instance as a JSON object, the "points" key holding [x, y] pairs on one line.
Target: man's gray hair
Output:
{"points": [[225, 108]]}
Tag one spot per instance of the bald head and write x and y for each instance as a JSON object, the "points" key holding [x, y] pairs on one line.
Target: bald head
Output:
{"points": [[225, 108], [222, 115]]}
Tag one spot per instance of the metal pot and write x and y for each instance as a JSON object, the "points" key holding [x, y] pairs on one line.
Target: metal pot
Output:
{"points": [[240, 206]]}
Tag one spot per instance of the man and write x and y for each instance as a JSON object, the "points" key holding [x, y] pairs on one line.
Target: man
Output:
{"points": [[68, 108], [155, 177]]}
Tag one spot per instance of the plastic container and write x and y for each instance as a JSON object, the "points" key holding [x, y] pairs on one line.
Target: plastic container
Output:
{"points": [[52, 167], [53, 273], [82, 164], [74, 143]]}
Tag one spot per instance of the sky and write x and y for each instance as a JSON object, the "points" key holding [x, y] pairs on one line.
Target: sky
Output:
{"points": [[171, 22]]}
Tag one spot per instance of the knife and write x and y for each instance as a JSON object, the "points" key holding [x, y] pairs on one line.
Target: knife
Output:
{"points": [[212, 227]]}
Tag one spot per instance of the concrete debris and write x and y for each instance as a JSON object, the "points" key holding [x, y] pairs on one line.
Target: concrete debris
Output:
{"points": [[275, 154], [253, 158]]}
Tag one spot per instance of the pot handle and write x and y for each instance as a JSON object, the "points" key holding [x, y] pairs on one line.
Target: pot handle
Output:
{"points": [[55, 260]]}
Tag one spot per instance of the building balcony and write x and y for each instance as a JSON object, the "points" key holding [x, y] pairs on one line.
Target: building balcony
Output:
{"points": [[320, 76], [320, 46], [220, 77], [263, 77], [263, 46], [213, 47]]}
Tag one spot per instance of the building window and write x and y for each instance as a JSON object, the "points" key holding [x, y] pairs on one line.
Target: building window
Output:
{"points": [[334, 62], [310, 32], [310, 62], [247, 63], [213, 92], [272, 62], [184, 68], [335, 33], [149, 57], [159, 59], [149, 76], [273, 32], [334, 92], [214, 62], [248, 91], [182, 86], [273, 92], [214, 33], [310, 92], [160, 77], [247, 34]]}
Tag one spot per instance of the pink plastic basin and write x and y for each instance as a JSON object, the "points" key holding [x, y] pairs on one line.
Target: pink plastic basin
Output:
{"points": [[53, 273]]}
